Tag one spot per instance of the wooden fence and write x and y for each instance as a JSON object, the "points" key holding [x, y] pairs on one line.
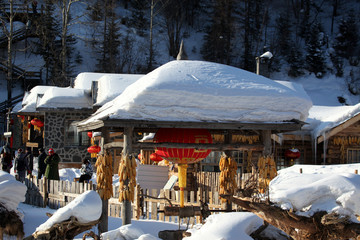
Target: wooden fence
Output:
{"points": [[149, 203]]}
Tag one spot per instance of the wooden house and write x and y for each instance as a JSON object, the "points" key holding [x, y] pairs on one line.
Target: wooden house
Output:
{"points": [[331, 136], [59, 109]]}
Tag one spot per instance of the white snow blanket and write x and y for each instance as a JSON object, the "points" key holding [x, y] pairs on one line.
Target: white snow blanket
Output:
{"points": [[86, 208], [205, 91]]}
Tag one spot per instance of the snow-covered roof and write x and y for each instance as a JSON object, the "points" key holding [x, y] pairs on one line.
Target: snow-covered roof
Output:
{"points": [[112, 85], [205, 91], [84, 80], [324, 118], [30, 99], [58, 97]]}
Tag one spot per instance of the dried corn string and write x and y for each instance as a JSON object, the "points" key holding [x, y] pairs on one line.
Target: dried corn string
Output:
{"points": [[127, 178], [267, 171], [104, 172], [227, 179]]}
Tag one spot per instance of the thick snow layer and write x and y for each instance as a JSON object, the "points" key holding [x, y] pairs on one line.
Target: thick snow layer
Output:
{"points": [[324, 118], [57, 97], [204, 91], [86, 208], [12, 192], [84, 80], [226, 226], [30, 98], [332, 188], [112, 85]]}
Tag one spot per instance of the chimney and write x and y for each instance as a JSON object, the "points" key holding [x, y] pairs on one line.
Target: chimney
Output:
{"points": [[182, 54]]}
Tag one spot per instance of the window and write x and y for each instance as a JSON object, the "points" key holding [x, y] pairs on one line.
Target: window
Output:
{"points": [[73, 137], [283, 162], [353, 155], [211, 162]]}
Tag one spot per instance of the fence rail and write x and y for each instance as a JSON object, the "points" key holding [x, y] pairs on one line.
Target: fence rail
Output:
{"points": [[148, 204]]}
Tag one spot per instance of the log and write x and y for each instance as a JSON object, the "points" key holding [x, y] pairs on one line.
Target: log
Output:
{"points": [[187, 211], [64, 230], [320, 226]]}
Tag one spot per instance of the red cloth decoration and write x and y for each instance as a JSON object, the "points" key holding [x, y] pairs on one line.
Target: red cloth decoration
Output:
{"points": [[182, 135]]}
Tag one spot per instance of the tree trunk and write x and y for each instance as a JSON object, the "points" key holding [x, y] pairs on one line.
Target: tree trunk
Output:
{"points": [[9, 51], [321, 226]]}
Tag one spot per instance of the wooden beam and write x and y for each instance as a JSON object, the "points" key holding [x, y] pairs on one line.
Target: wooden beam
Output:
{"points": [[144, 124], [212, 146], [339, 128]]}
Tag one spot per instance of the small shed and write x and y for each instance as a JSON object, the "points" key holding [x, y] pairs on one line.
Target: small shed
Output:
{"points": [[225, 100]]}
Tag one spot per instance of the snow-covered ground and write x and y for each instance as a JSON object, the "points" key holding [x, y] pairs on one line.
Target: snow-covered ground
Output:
{"points": [[334, 188]]}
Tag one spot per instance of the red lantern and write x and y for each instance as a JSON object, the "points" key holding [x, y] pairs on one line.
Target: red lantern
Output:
{"points": [[94, 149], [182, 135], [155, 157], [37, 122], [139, 156], [89, 134], [292, 153]]}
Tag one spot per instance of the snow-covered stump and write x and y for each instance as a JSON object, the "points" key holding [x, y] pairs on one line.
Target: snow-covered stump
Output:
{"points": [[321, 225]]}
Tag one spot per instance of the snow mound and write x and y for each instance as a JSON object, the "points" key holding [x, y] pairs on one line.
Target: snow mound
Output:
{"points": [[86, 208], [12, 192], [219, 226], [308, 193], [205, 91]]}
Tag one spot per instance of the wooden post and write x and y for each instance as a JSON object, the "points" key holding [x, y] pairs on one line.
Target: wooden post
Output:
{"points": [[266, 137], [356, 171], [104, 222], [228, 139], [301, 171], [126, 205]]}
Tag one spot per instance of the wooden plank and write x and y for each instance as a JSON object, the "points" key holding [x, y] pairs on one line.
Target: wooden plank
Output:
{"points": [[154, 205], [167, 195], [211, 146], [339, 128]]}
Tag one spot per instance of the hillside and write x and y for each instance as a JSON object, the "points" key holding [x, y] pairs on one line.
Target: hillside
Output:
{"points": [[205, 30]]}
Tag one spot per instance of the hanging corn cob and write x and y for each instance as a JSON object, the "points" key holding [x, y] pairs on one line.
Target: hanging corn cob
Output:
{"points": [[267, 171], [227, 179], [127, 178], [104, 176]]}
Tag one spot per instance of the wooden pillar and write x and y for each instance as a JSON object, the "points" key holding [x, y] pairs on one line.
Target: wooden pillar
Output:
{"points": [[266, 137], [227, 140], [126, 204], [104, 222]]}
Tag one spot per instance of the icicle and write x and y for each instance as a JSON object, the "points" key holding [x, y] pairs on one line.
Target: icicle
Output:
{"points": [[314, 146], [325, 145]]}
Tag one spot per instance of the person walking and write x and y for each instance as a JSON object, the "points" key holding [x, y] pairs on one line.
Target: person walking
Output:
{"points": [[41, 163], [52, 165], [20, 165], [29, 161], [6, 158], [86, 170]]}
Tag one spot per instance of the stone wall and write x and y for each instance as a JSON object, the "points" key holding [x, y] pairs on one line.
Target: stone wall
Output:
{"points": [[54, 135]]}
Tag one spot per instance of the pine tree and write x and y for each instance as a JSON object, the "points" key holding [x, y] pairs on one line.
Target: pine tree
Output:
{"points": [[49, 45], [138, 18], [296, 62], [218, 41], [283, 29], [315, 58], [346, 42], [108, 50]]}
